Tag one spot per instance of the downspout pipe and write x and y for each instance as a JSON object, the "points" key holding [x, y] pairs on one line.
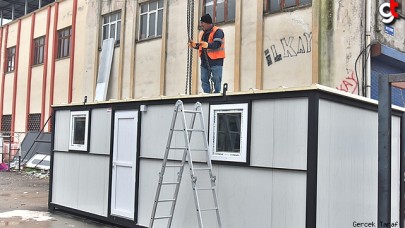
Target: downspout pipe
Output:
{"points": [[368, 43]]}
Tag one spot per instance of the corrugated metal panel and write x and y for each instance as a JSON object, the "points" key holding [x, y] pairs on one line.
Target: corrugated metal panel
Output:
{"points": [[62, 130], [100, 134], [247, 197], [155, 130], [279, 133], [80, 181], [347, 165]]}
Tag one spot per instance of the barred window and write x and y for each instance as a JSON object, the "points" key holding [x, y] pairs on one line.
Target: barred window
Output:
{"points": [[10, 59], [151, 19], [272, 6], [112, 26], [6, 124], [220, 10], [39, 44], [64, 42], [34, 122]]}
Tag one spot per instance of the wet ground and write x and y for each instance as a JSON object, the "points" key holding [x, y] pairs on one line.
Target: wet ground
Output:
{"points": [[24, 203]]}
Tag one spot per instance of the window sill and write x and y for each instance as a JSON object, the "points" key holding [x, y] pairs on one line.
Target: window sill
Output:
{"points": [[62, 58], [225, 22], [148, 39], [287, 10], [37, 65], [9, 72]]}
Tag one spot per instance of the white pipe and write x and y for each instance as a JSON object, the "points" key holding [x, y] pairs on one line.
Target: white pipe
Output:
{"points": [[368, 53]]}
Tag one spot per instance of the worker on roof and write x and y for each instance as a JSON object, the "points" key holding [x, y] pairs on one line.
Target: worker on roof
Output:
{"points": [[211, 49]]}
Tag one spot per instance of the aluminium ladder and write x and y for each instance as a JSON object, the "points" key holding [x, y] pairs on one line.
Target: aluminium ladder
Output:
{"points": [[188, 130]]}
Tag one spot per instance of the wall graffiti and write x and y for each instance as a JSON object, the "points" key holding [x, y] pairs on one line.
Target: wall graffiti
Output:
{"points": [[290, 48], [349, 84]]}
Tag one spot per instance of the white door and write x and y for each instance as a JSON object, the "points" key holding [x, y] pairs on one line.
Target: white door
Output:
{"points": [[124, 164]]}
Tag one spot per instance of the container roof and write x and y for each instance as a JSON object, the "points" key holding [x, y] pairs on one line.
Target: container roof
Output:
{"points": [[21, 7]]}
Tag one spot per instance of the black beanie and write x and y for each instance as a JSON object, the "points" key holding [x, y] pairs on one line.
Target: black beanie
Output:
{"points": [[206, 18]]}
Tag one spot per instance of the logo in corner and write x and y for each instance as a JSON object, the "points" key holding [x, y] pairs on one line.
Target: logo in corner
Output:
{"points": [[388, 11]]}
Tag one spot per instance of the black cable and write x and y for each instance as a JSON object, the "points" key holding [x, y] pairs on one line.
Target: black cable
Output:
{"points": [[355, 67]]}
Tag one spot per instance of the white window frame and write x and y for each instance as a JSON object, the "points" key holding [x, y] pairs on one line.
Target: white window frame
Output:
{"points": [[116, 23], [228, 156], [148, 13], [73, 115]]}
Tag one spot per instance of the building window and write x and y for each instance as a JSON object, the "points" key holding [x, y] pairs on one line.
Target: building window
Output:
{"points": [[39, 44], [79, 126], [34, 122], [64, 42], [112, 26], [220, 10], [228, 132], [10, 59], [272, 6], [151, 19], [6, 125]]}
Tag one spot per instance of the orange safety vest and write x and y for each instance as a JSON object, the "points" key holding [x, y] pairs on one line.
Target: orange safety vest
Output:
{"points": [[212, 53]]}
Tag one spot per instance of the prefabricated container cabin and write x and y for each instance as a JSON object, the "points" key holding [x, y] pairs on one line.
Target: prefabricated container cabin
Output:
{"points": [[307, 158]]}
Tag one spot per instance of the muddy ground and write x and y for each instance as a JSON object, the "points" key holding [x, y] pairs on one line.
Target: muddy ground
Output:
{"points": [[24, 203]]}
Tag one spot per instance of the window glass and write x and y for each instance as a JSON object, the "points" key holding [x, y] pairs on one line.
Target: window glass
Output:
{"points": [[220, 16], [79, 124], [231, 10], [304, 2], [152, 6], [112, 26], [160, 21], [144, 26], [64, 42], [274, 5], [228, 132], [289, 3], [152, 24], [277, 5], [228, 129], [79, 130], [144, 8], [151, 19], [209, 7], [10, 59]]}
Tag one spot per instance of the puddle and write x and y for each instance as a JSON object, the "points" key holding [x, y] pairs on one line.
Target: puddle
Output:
{"points": [[27, 215]]}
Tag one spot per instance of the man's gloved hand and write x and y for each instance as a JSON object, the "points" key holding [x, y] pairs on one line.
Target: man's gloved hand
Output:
{"points": [[204, 44], [192, 44]]}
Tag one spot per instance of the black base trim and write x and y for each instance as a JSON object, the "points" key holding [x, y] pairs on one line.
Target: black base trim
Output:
{"points": [[112, 220]]}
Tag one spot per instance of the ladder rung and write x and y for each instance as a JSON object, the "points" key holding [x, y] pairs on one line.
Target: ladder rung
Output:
{"points": [[191, 111], [174, 166], [210, 188], [163, 217], [178, 129], [209, 209], [177, 148], [205, 168], [166, 200], [199, 149], [197, 130], [169, 183]]}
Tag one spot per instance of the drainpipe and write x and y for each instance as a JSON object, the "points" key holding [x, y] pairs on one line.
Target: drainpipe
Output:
{"points": [[368, 42]]}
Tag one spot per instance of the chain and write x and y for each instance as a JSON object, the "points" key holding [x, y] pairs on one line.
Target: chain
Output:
{"points": [[190, 31]]}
